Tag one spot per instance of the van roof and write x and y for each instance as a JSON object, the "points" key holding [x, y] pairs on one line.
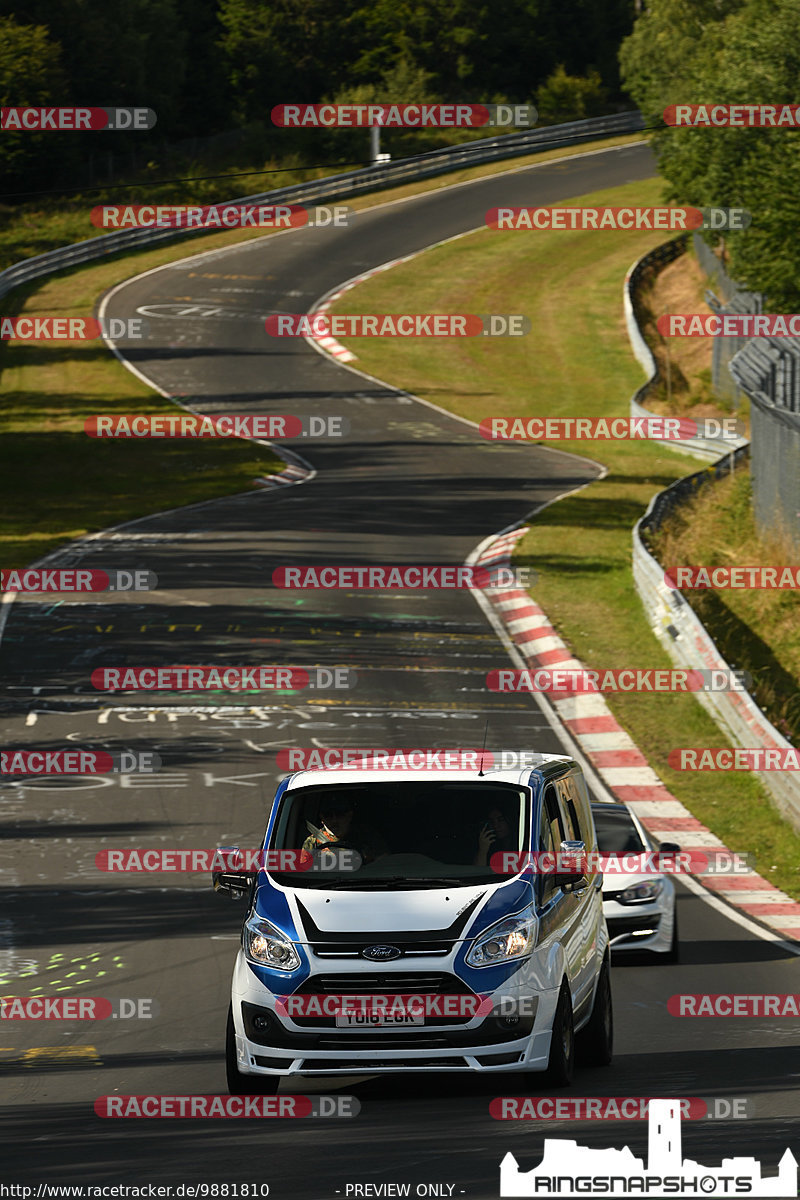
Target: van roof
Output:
{"points": [[545, 765]]}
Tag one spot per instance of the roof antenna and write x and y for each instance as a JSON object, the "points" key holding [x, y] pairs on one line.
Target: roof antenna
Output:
{"points": [[483, 749]]}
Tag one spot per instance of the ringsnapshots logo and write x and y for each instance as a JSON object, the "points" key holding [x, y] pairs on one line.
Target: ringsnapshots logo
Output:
{"points": [[725, 578], [77, 1008], [737, 325], [72, 329], [224, 679], [76, 120], [404, 116], [189, 425], [205, 1107], [735, 758], [402, 578], [220, 216], [723, 116], [618, 218], [397, 325], [568, 681], [75, 761], [567, 1169], [608, 429], [78, 580]]}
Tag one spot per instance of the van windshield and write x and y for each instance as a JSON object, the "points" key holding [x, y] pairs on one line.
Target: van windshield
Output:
{"points": [[403, 833]]}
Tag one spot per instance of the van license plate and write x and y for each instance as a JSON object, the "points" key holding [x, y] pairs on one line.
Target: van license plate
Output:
{"points": [[373, 1020]]}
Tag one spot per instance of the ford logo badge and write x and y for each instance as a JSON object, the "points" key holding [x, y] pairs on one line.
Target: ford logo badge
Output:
{"points": [[381, 953]]}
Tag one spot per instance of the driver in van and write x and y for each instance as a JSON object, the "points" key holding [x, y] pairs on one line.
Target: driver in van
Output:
{"points": [[336, 817]]}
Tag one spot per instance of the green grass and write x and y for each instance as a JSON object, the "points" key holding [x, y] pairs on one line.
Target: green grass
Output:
{"points": [[576, 362], [58, 484]]}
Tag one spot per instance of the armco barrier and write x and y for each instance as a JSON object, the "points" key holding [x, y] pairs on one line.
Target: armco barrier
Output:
{"points": [[708, 449], [678, 627], [338, 187]]}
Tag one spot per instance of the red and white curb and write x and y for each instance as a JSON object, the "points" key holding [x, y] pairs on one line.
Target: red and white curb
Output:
{"points": [[329, 344], [618, 761], [293, 473]]}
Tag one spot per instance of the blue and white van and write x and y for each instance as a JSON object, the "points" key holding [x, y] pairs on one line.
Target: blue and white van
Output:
{"points": [[419, 889]]}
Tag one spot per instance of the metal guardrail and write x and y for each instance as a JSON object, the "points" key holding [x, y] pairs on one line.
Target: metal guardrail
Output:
{"points": [[672, 619], [708, 449], [337, 187]]}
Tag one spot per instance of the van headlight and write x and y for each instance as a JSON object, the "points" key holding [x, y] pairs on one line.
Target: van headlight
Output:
{"points": [[266, 945], [511, 938], [642, 893]]}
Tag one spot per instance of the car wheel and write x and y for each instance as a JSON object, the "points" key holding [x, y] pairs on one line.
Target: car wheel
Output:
{"points": [[240, 1084], [673, 954], [596, 1040], [561, 1062]]}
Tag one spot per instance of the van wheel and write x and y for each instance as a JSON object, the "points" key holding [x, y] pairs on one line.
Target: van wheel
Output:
{"points": [[596, 1040], [561, 1062], [238, 1083]]}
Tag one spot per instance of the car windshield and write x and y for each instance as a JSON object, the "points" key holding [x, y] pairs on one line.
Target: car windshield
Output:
{"points": [[405, 833], [616, 832]]}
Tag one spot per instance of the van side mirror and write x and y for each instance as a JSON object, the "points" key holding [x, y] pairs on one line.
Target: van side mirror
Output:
{"points": [[235, 883], [573, 874]]}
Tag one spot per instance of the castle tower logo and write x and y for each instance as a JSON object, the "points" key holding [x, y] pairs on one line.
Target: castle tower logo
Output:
{"points": [[568, 1169]]}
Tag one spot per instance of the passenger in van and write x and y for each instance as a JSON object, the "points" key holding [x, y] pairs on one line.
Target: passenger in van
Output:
{"points": [[495, 837]]}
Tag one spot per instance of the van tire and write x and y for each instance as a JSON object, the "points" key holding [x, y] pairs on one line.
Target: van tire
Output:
{"points": [[240, 1084], [561, 1062], [596, 1039]]}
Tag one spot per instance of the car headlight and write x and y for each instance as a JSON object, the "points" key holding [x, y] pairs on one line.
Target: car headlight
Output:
{"points": [[266, 945], [513, 937], [642, 893]]}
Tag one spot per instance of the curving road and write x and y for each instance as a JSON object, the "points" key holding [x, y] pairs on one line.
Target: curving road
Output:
{"points": [[410, 484]]}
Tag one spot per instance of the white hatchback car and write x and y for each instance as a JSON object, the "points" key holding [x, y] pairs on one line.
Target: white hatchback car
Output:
{"points": [[439, 949], [639, 907]]}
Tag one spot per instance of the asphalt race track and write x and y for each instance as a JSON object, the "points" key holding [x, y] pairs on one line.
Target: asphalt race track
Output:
{"points": [[410, 484]]}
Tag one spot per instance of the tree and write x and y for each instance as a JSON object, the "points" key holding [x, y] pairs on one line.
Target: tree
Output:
{"points": [[30, 75]]}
